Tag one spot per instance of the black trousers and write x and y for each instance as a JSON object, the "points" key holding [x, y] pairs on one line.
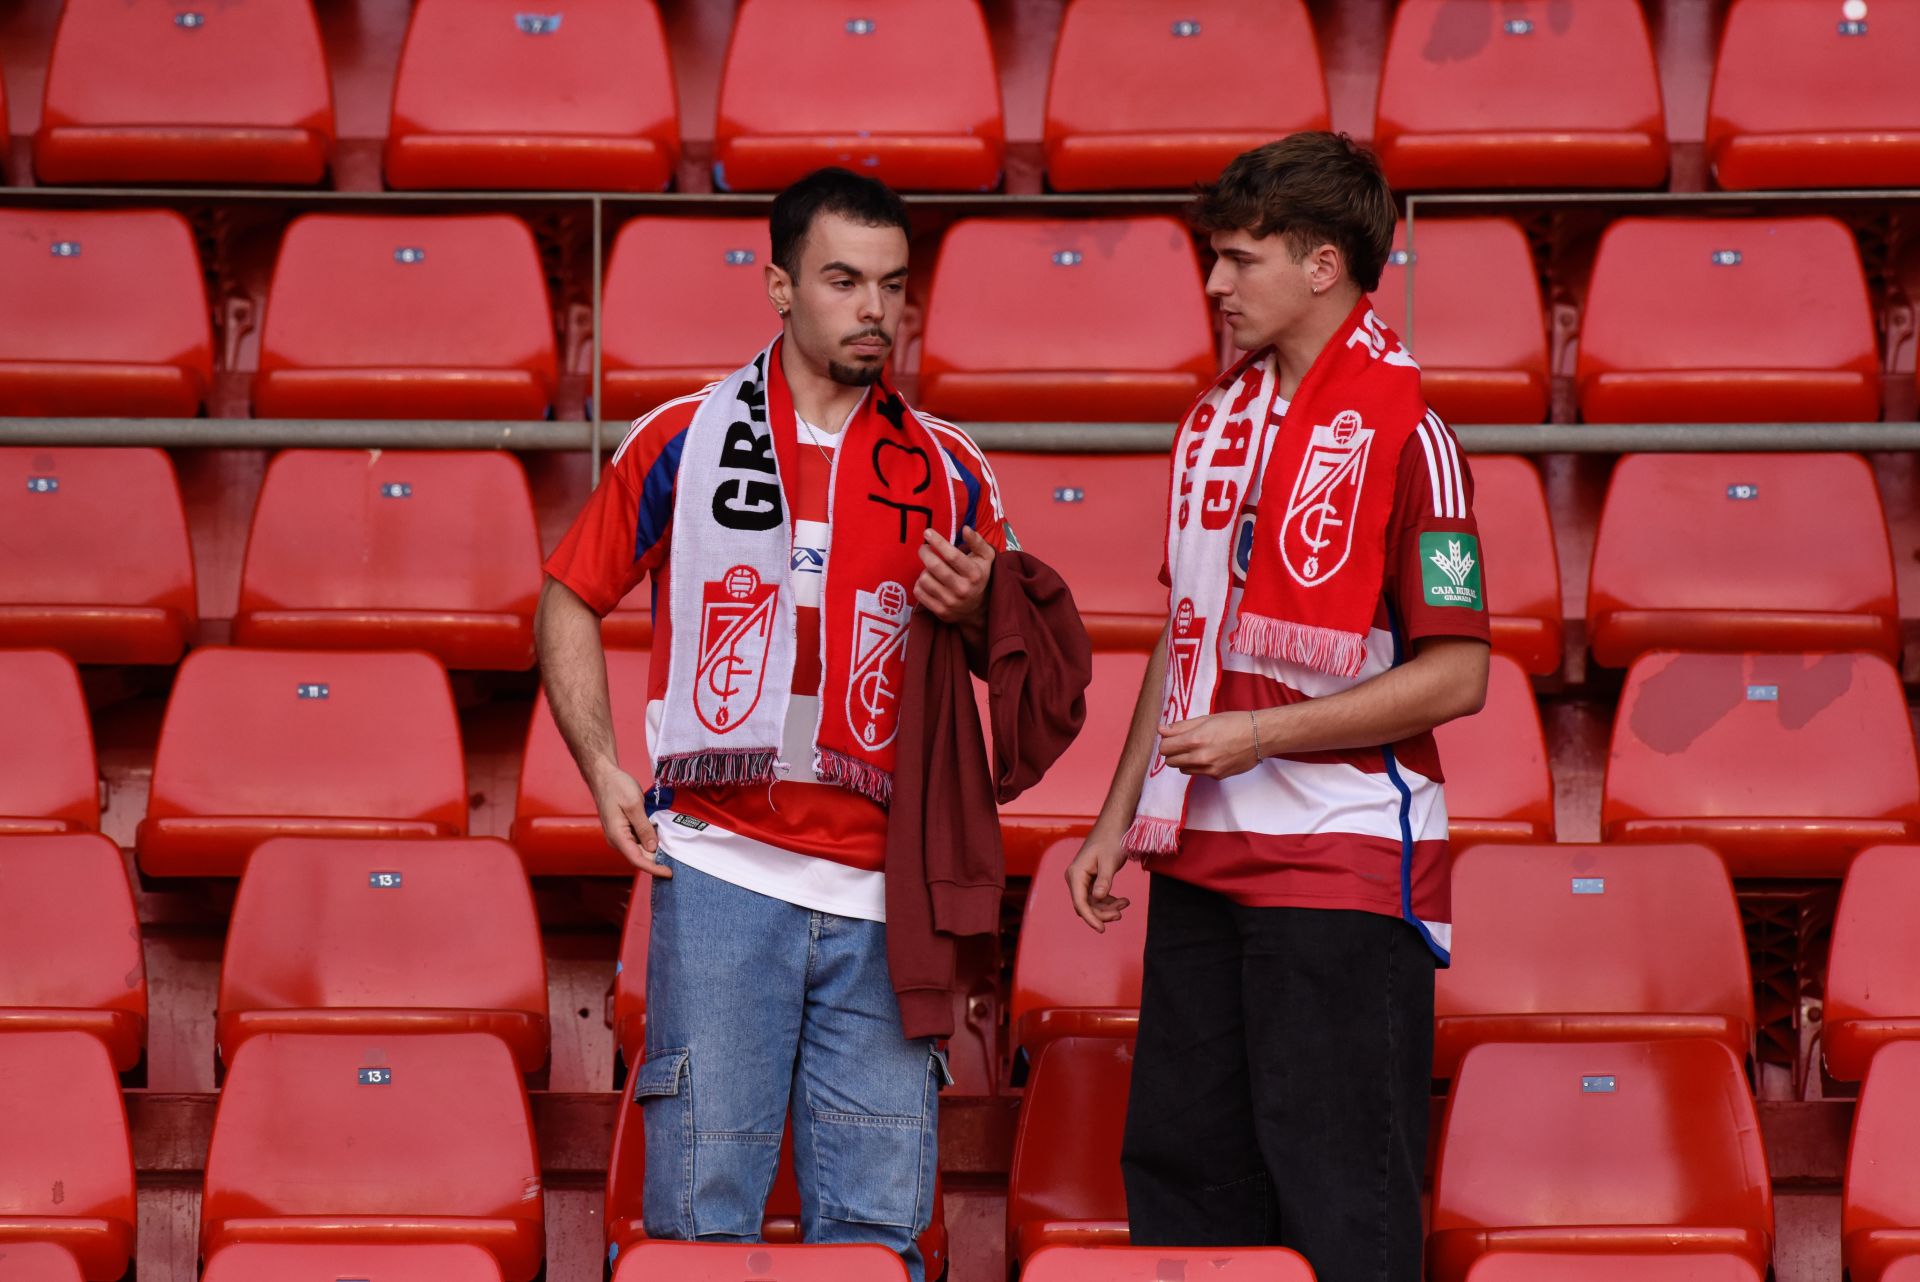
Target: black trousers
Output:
{"points": [[1280, 1083]]}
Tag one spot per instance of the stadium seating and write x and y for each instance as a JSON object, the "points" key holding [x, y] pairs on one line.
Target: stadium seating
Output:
{"points": [[1737, 751], [143, 91], [1592, 943], [1064, 1188], [1728, 320], [66, 1165], [98, 561], [376, 937], [1606, 1266], [661, 271], [70, 943], [1498, 787], [730, 1262], [386, 316], [331, 1262], [922, 114], [1008, 336], [1163, 93], [266, 743], [1159, 1263], [37, 1261], [1638, 1147], [1873, 986], [1805, 95], [1065, 803], [104, 313], [556, 826], [1067, 980], [630, 975], [1100, 520], [492, 96], [422, 1137], [1534, 93], [422, 549], [1741, 552], [1523, 592], [48, 782], [1478, 328], [1880, 1216]]}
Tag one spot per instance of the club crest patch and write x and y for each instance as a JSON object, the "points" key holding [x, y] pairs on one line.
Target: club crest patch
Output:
{"points": [[880, 621], [1183, 669], [1317, 536], [736, 632]]}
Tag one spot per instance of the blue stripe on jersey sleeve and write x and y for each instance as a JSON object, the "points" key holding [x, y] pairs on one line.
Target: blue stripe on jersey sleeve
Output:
{"points": [[972, 483], [656, 496]]}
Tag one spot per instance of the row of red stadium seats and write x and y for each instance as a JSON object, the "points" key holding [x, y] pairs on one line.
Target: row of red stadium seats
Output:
{"points": [[375, 316], [1143, 94], [438, 551]]}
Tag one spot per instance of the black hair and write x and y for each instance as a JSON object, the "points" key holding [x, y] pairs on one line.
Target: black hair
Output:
{"points": [[856, 197]]}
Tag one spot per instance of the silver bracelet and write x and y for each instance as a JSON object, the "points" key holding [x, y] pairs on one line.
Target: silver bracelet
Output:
{"points": [[1255, 723]]}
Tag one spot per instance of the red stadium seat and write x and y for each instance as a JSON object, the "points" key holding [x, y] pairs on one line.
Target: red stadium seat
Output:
{"points": [[104, 314], [922, 114], [1592, 943], [1478, 328], [662, 269], [1728, 320], [377, 937], [143, 91], [1738, 751], [556, 826], [1067, 980], [1523, 595], [491, 96], [1520, 93], [70, 943], [422, 1137], [1099, 519], [1804, 96], [1607, 1266], [1880, 1216], [1741, 552], [1007, 321], [305, 743], [1065, 803], [1498, 786], [630, 975], [1064, 1188], [98, 561], [1639, 1148], [330, 1262], [729, 1262], [37, 1261], [378, 316], [1163, 93], [48, 781], [66, 1165], [1873, 984], [1158, 1263], [431, 550]]}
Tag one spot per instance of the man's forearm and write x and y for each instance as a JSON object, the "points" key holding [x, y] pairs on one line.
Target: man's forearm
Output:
{"points": [[1442, 681], [1130, 775], [573, 669]]}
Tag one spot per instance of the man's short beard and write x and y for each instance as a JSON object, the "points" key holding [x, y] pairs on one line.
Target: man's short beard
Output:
{"points": [[855, 375]]}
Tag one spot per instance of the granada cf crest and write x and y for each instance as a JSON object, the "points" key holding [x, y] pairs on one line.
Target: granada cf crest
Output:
{"points": [[736, 631], [1317, 535], [879, 652], [1183, 668]]}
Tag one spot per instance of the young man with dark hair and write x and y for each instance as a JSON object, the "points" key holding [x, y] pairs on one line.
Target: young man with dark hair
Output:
{"points": [[791, 515], [1280, 780]]}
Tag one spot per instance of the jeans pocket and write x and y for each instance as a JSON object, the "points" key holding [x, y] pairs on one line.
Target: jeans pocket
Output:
{"points": [[661, 1086]]}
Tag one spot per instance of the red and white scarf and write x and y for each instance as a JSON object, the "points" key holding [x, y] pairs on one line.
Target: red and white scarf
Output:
{"points": [[732, 594], [1319, 538]]}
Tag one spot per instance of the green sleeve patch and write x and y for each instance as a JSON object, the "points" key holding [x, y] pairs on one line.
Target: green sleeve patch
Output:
{"points": [[1450, 570]]}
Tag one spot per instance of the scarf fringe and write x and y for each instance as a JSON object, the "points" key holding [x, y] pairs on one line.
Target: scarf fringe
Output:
{"points": [[1341, 654], [853, 774], [715, 769], [1151, 836]]}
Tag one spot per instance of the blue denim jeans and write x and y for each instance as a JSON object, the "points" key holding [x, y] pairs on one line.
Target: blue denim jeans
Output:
{"points": [[755, 1004]]}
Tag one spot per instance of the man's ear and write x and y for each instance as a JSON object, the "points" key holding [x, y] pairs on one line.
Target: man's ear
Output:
{"points": [[1325, 268], [779, 288]]}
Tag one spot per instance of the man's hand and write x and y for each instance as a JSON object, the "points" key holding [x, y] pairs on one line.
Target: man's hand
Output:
{"points": [[1217, 746], [623, 816], [1090, 880], [954, 583]]}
